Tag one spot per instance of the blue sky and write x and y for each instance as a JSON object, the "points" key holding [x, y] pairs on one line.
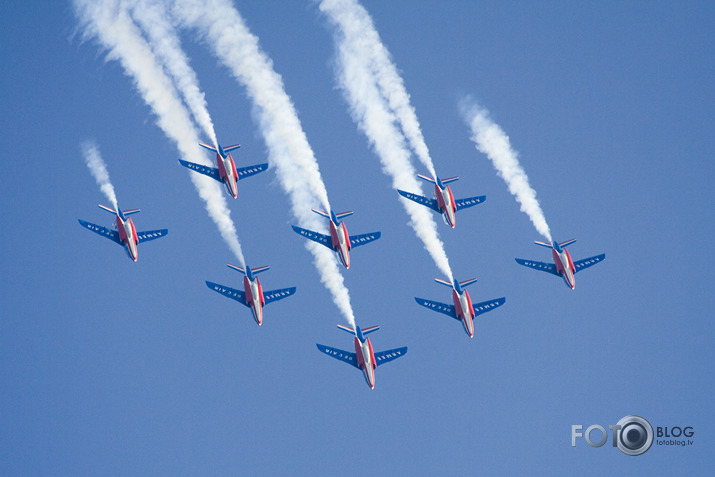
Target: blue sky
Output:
{"points": [[114, 367]]}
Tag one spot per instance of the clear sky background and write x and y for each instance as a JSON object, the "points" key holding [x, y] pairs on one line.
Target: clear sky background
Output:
{"points": [[109, 367]]}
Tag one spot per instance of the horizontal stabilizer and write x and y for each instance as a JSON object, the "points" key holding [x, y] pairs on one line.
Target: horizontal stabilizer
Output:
{"points": [[543, 244], [209, 147], [108, 209], [231, 147], [448, 310], [357, 240], [201, 169], [232, 293], [469, 202], [488, 305], [386, 356], [249, 171], [431, 203], [130, 212], [258, 270], [275, 295], [427, 179], [568, 242], [466, 283], [443, 282], [342, 215], [321, 213], [151, 235], [345, 356], [450, 179], [314, 236], [544, 267], [347, 328], [587, 262], [370, 329], [103, 231], [237, 268]]}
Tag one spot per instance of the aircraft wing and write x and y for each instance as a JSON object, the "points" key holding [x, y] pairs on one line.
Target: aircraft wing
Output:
{"points": [[386, 356], [587, 262], [315, 236], [469, 202], [544, 267], [103, 231], [244, 172], [357, 240], [151, 235], [448, 310], [212, 172], [350, 358], [431, 203], [237, 295], [275, 295], [488, 305]]}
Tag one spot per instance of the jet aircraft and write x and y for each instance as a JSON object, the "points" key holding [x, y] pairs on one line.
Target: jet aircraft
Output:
{"points": [[253, 295], [563, 264], [226, 171], [444, 202], [126, 234], [463, 309], [338, 240], [364, 357]]}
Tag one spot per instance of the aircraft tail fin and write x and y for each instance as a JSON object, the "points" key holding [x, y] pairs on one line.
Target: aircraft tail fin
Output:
{"points": [[370, 329], [342, 215], [466, 283], [543, 244], [258, 270], [124, 212], [108, 209], [443, 282], [449, 179], [231, 148], [566, 243]]}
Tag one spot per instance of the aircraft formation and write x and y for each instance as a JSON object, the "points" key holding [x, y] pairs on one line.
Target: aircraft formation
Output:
{"points": [[254, 297]]}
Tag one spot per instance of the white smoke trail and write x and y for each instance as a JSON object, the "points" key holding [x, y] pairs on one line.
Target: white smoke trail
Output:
{"points": [[362, 39], [153, 18], [111, 24], [98, 168], [289, 151], [370, 111], [491, 140]]}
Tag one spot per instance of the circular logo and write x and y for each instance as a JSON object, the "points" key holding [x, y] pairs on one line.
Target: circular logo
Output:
{"points": [[635, 435]]}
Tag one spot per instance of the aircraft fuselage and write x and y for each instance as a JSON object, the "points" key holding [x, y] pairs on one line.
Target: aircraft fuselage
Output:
{"points": [[463, 307], [128, 236], [254, 297], [564, 266], [366, 360], [341, 242], [227, 171], [445, 201]]}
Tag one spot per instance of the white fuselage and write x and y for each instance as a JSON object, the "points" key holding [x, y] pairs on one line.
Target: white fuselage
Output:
{"points": [[256, 301], [568, 273], [467, 313], [369, 368], [448, 211], [131, 240]]}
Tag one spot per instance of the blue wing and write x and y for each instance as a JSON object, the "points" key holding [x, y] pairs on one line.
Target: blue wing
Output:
{"points": [[205, 170], [350, 358], [587, 262], [431, 203], [315, 236], [244, 172], [275, 295], [386, 356], [488, 305], [448, 310], [103, 231], [237, 295], [357, 240], [151, 235], [544, 267], [469, 202]]}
